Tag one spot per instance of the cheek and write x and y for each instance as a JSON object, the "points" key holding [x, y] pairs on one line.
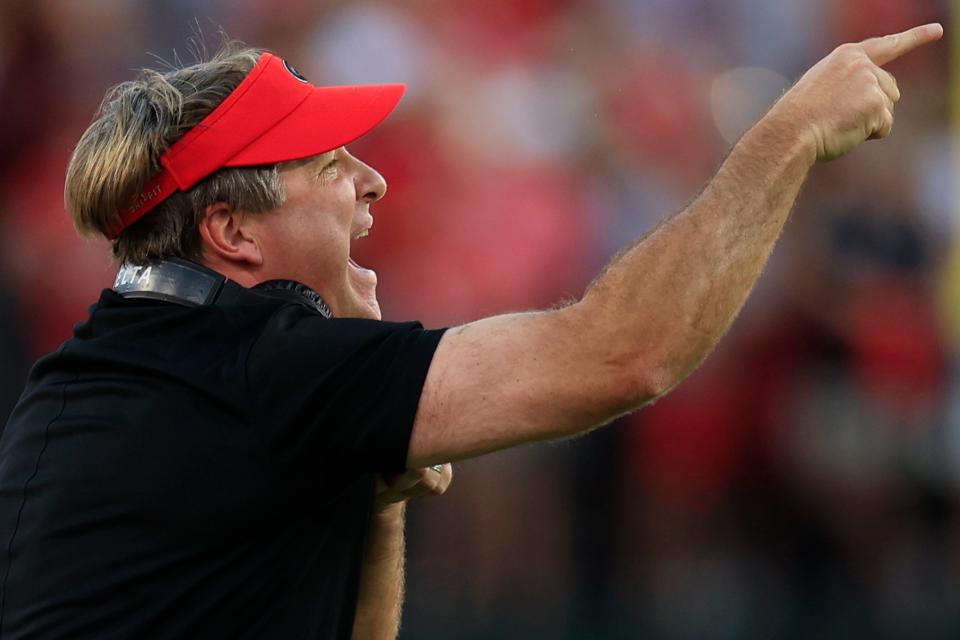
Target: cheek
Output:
{"points": [[288, 238], [307, 222], [324, 211], [311, 231]]}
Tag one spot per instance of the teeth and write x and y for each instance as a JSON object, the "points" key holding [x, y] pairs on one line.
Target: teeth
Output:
{"points": [[362, 234]]}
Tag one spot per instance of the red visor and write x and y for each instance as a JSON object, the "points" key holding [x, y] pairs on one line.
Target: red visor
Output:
{"points": [[274, 115]]}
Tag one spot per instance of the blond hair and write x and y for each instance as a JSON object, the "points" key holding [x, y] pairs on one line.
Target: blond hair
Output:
{"points": [[120, 151]]}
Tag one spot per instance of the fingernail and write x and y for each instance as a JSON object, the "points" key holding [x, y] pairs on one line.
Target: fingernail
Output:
{"points": [[935, 29]]}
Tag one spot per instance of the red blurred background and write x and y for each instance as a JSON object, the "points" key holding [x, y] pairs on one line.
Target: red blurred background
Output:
{"points": [[802, 484]]}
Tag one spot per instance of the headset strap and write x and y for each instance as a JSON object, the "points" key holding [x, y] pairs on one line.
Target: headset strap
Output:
{"points": [[172, 280], [192, 285]]}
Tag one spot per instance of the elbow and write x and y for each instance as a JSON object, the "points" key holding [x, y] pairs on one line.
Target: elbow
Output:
{"points": [[626, 375], [650, 383], [637, 384]]}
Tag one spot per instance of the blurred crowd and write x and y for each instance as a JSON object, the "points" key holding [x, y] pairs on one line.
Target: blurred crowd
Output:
{"points": [[804, 483]]}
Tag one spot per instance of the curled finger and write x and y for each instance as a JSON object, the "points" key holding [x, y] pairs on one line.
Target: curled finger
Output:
{"points": [[434, 483], [888, 83], [884, 126]]}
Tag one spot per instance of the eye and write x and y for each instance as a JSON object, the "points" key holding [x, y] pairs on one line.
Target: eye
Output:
{"points": [[329, 170]]}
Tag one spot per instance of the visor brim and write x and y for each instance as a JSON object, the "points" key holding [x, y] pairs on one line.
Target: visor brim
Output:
{"points": [[327, 119]]}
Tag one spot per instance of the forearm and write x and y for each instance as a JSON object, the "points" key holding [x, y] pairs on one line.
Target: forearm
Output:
{"points": [[662, 305], [381, 578], [654, 313]]}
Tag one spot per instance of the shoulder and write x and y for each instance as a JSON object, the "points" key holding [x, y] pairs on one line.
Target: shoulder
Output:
{"points": [[293, 327]]}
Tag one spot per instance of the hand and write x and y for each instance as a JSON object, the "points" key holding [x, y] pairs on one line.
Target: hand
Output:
{"points": [[415, 483], [847, 97]]}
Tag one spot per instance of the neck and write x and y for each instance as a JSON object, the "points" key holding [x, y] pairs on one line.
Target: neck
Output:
{"points": [[245, 275]]}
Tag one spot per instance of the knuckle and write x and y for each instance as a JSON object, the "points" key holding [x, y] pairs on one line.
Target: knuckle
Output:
{"points": [[846, 54], [857, 54], [847, 48], [859, 67]]}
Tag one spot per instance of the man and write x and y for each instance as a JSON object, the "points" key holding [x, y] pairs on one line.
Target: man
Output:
{"points": [[200, 459]]}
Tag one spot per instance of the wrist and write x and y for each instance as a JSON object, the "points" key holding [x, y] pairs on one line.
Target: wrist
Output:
{"points": [[789, 134], [390, 514], [386, 531]]}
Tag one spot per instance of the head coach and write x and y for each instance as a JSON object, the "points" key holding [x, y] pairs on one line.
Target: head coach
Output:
{"points": [[202, 457]]}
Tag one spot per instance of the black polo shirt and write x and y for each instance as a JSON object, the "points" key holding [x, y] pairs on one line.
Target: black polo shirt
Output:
{"points": [[204, 472]]}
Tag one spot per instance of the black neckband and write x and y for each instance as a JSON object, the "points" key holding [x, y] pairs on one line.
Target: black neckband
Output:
{"points": [[192, 285]]}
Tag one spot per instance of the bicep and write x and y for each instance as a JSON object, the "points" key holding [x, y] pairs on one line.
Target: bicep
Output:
{"points": [[516, 378]]}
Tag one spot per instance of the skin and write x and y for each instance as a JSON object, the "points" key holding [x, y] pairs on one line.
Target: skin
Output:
{"points": [[646, 322]]}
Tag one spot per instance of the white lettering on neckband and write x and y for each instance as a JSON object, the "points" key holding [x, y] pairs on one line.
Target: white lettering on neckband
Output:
{"points": [[133, 275]]}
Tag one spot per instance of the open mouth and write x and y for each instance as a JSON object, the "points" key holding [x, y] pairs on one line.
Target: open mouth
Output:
{"points": [[362, 279], [363, 233]]}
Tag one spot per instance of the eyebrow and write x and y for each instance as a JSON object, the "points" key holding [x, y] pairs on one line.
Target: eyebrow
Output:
{"points": [[312, 162], [324, 158]]}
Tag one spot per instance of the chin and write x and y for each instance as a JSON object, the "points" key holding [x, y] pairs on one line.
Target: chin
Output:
{"points": [[372, 310], [361, 307], [361, 292]]}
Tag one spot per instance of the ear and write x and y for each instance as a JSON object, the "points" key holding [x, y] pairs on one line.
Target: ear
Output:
{"points": [[225, 235]]}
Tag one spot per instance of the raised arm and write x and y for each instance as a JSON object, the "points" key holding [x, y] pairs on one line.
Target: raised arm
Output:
{"points": [[660, 307]]}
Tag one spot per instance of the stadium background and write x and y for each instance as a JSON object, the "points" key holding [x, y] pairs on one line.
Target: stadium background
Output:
{"points": [[804, 483]]}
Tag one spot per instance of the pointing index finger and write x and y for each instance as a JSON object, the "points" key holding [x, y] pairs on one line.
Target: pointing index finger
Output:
{"points": [[889, 48]]}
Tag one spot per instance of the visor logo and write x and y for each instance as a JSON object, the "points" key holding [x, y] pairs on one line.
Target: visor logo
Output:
{"points": [[296, 74]]}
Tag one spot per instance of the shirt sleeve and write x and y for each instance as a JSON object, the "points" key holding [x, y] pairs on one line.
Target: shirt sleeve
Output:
{"points": [[338, 393]]}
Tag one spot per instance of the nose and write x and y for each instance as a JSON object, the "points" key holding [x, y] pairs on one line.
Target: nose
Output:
{"points": [[370, 185]]}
